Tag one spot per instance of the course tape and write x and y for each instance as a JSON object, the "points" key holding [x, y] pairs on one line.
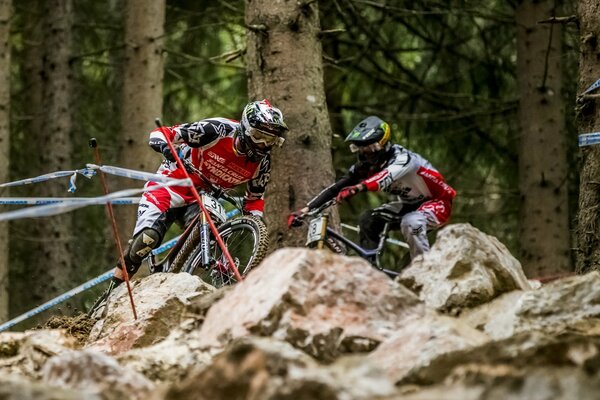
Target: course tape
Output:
{"points": [[593, 87], [88, 173], [131, 173], [587, 139], [36, 201], [60, 208], [86, 286], [57, 300]]}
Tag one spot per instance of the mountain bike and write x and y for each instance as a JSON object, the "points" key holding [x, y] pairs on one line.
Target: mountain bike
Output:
{"points": [[197, 252], [245, 237], [320, 235]]}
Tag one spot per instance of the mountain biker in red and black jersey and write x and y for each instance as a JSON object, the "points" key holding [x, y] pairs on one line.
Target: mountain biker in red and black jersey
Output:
{"points": [[424, 199], [227, 152]]}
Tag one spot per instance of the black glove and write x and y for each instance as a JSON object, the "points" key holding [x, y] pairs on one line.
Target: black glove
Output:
{"points": [[166, 152]]}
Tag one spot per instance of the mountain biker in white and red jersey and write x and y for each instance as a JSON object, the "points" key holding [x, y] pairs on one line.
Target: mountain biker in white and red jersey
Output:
{"points": [[227, 152], [424, 199]]}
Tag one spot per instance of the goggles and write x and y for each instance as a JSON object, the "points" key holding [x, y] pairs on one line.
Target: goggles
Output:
{"points": [[260, 137], [368, 149]]}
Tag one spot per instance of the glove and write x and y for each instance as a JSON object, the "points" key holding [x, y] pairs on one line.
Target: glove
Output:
{"points": [[166, 152], [349, 191], [295, 219]]}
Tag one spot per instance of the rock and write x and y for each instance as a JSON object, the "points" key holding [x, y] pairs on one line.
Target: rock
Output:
{"points": [[566, 305], [160, 300], [16, 387], [97, 373], [526, 366], [464, 268], [522, 351], [25, 353], [481, 382], [321, 303], [267, 369], [422, 340], [169, 360]]}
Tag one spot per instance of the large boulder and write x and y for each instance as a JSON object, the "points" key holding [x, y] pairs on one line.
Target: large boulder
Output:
{"points": [[566, 305], [319, 302], [96, 373], [464, 268], [160, 300], [267, 369]]}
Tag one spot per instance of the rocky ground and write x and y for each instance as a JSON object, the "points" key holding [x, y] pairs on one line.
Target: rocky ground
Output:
{"points": [[462, 322]]}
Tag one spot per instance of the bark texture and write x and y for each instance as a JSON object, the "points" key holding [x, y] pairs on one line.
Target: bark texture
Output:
{"points": [[588, 220], [5, 15], [24, 247], [544, 230], [284, 61], [142, 90], [53, 268]]}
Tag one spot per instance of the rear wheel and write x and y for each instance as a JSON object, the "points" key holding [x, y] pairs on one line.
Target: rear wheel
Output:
{"points": [[247, 241]]}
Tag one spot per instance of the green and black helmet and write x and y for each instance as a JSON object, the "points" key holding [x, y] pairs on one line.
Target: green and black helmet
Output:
{"points": [[370, 137]]}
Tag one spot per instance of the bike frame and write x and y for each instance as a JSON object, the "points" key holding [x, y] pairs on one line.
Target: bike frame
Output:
{"points": [[198, 222], [371, 255]]}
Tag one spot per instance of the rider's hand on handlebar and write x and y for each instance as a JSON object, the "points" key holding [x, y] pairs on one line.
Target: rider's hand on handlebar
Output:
{"points": [[349, 191], [295, 219], [166, 152]]}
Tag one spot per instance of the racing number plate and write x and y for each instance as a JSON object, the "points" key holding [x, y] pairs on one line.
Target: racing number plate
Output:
{"points": [[214, 207], [315, 227]]}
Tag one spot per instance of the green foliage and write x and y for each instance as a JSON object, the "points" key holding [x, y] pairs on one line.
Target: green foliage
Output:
{"points": [[442, 74]]}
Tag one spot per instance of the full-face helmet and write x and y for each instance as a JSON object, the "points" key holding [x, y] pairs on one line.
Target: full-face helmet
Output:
{"points": [[262, 127], [370, 138]]}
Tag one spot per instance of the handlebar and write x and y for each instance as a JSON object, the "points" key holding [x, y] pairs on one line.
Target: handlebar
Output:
{"points": [[215, 191], [323, 207]]}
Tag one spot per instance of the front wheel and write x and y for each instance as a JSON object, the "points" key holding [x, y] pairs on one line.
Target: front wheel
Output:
{"points": [[247, 241]]}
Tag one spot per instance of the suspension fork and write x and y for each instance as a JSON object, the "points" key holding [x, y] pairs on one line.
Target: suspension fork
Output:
{"points": [[382, 238], [321, 243], [204, 241]]}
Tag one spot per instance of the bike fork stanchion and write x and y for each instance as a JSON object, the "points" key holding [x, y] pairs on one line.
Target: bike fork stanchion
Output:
{"points": [[94, 144], [198, 198]]}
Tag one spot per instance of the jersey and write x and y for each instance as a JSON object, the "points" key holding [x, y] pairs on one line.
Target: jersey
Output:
{"points": [[402, 172], [209, 145]]}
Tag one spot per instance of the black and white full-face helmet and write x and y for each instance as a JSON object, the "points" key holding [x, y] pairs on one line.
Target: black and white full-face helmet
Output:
{"points": [[262, 127], [370, 138]]}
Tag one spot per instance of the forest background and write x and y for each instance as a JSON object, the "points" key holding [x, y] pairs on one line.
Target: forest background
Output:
{"points": [[488, 91]]}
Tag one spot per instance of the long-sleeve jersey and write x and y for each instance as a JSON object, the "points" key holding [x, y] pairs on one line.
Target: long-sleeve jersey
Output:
{"points": [[209, 145], [403, 173]]}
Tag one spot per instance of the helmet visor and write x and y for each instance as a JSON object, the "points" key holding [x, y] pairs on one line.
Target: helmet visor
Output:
{"points": [[260, 137], [368, 149]]}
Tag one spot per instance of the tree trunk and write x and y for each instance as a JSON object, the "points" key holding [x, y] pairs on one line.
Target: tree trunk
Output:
{"points": [[544, 231], [142, 91], [284, 65], [24, 244], [5, 15], [53, 269], [588, 234]]}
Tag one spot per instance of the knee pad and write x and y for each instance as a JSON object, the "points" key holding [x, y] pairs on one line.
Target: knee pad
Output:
{"points": [[142, 244]]}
